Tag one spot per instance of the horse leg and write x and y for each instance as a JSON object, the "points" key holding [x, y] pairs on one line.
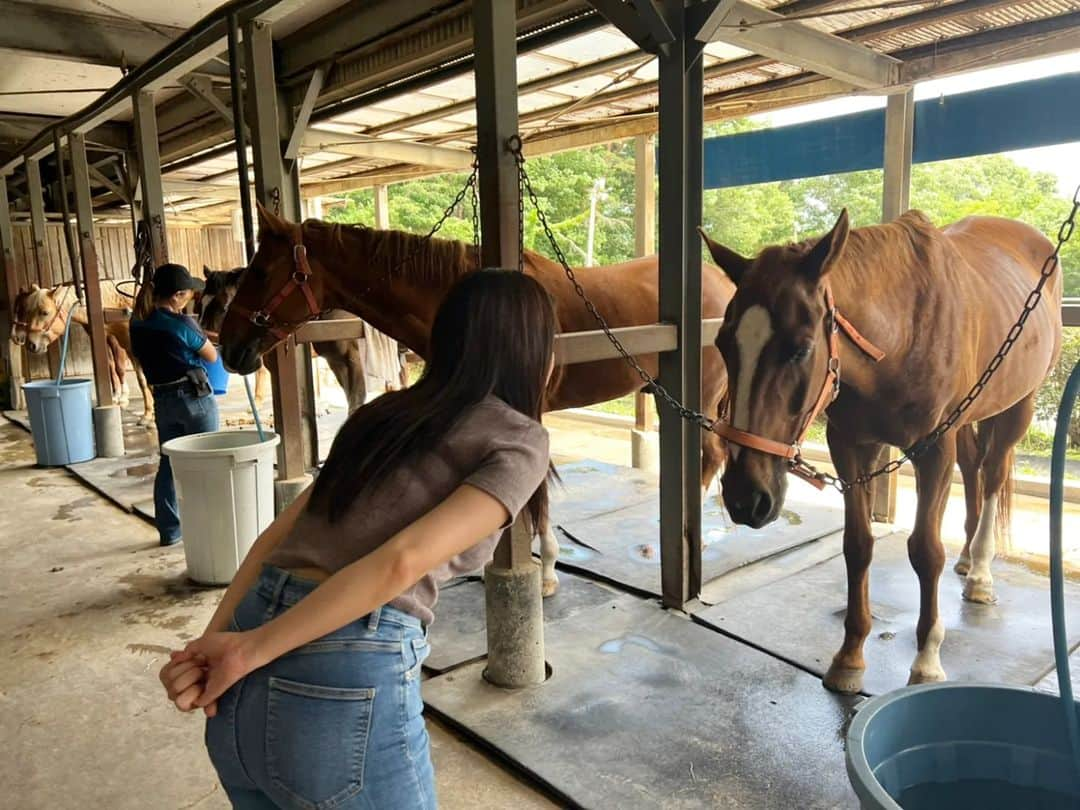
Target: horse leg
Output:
{"points": [[997, 437], [549, 554], [147, 418], [262, 380], [933, 478], [845, 673], [967, 457]]}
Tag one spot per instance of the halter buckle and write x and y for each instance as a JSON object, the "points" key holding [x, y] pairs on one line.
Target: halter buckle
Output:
{"points": [[300, 278], [260, 319]]}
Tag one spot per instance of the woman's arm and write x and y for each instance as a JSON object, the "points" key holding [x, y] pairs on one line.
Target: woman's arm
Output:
{"points": [[252, 565], [208, 352], [458, 523]]}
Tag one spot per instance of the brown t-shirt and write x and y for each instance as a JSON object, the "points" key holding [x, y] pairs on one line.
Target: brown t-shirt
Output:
{"points": [[492, 447]]}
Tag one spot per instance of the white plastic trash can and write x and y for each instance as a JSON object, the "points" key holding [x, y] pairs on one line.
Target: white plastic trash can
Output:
{"points": [[225, 488]]}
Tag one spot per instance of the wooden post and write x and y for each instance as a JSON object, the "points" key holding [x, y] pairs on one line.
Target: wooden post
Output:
{"points": [[275, 187], [680, 160], [37, 219], [496, 123], [644, 243], [382, 207], [84, 215], [899, 134], [12, 354], [153, 198], [512, 587]]}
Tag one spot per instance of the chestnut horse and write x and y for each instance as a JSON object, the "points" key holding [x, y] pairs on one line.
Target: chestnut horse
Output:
{"points": [[41, 316], [938, 303], [395, 281]]}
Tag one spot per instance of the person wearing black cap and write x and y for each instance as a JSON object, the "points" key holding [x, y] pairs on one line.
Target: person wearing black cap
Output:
{"points": [[169, 344]]}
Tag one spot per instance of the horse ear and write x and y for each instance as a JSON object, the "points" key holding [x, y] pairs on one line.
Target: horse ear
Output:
{"points": [[34, 288], [55, 290], [823, 255], [270, 223], [729, 261]]}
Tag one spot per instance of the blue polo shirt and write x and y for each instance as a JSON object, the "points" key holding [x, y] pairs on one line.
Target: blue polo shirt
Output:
{"points": [[166, 345]]}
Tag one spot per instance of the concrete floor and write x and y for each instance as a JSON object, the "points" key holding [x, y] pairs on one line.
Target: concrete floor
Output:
{"points": [[89, 607]]}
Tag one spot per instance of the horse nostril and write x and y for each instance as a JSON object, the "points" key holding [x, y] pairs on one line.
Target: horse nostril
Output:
{"points": [[761, 505]]}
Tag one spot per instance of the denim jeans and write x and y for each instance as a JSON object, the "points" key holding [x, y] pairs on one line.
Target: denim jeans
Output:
{"points": [[177, 413], [336, 723]]}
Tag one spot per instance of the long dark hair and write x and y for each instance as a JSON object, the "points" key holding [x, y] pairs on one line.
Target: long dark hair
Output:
{"points": [[494, 334]]}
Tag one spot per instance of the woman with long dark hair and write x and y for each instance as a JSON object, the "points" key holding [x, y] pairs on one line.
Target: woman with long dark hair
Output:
{"points": [[309, 670]]}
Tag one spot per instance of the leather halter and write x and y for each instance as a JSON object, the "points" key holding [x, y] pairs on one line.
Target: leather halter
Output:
{"points": [[830, 389], [263, 318]]}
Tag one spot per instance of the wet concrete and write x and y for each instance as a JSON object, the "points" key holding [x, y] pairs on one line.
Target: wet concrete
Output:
{"points": [[89, 608]]}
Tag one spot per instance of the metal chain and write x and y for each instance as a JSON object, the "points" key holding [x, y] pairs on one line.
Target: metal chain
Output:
{"points": [[1048, 267], [275, 200], [1051, 263], [525, 188], [474, 198], [470, 183]]}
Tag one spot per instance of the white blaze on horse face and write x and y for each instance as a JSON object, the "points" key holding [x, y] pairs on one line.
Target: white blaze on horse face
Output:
{"points": [[751, 335]]}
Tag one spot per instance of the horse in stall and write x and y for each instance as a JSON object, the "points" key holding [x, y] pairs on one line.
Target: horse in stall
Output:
{"points": [[41, 316], [934, 306], [396, 281], [344, 357]]}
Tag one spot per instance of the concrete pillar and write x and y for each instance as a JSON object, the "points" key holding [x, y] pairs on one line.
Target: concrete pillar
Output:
{"points": [[895, 200], [515, 618], [109, 431]]}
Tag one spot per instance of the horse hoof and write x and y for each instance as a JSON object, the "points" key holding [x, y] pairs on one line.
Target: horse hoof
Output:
{"points": [[980, 591], [845, 680], [926, 676], [549, 586], [963, 565]]}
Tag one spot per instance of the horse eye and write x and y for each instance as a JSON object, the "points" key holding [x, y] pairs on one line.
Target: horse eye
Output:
{"points": [[800, 353]]}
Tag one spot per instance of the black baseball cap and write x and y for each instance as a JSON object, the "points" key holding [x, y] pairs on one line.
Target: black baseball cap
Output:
{"points": [[170, 279]]}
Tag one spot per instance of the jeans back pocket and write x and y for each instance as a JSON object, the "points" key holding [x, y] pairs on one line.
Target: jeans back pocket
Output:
{"points": [[316, 740]]}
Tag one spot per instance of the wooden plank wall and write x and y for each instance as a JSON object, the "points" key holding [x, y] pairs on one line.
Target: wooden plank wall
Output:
{"points": [[191, 245]]}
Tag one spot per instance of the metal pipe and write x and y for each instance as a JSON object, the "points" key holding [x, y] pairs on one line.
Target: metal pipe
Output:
{"points": [[65, 209], [241, 137]]}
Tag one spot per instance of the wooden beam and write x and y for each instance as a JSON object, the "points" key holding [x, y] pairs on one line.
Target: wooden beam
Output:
{"points": [[303, 112], [422, 154], [638, 21], [767, 33], [84, 214], [152, 199], [291, 384], [37, 217], [202, 88], [12, 355]]}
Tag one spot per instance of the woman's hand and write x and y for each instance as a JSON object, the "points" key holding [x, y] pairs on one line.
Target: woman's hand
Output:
{"points": [[224, 659], [184, 679]]}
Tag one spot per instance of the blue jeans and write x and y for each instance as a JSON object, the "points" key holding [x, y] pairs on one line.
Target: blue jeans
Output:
{"points": [[337, 723], [177, 413]]}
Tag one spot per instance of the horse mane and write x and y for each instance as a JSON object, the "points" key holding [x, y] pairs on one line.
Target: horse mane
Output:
{"points": [[411, 257]]}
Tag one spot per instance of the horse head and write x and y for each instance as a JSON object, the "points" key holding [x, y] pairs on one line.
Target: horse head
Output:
{"points": [[281, 289], [775, 342], [221, 286], [39, 316]]}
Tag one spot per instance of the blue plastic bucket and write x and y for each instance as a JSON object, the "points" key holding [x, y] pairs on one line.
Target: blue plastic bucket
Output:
{"points": [[61, 421], [219, 377], [944, 746]]}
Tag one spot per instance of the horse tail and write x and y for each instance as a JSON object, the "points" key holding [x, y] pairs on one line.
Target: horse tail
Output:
{"points": [[1005, 497]]}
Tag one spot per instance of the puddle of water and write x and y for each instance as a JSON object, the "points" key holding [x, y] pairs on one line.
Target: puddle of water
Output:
{"points": [[576, 553], [136, 471]]}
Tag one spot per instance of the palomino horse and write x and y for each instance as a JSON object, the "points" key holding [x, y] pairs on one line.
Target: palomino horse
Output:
{"points": [[344, 357], [938, 303], [41, 317], [396, 281]]}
